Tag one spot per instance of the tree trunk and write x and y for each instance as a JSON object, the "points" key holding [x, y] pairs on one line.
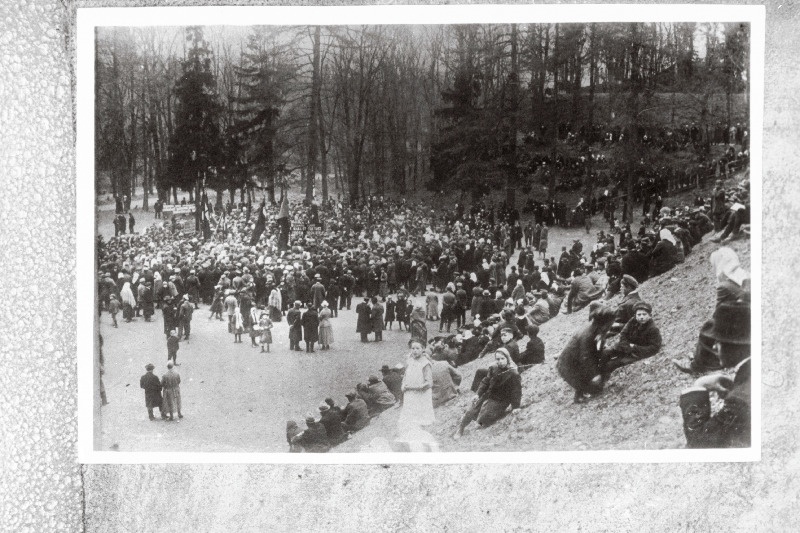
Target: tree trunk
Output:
{"points": [[312, 121]]}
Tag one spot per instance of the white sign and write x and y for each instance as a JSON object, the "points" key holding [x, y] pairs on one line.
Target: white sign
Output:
{"points": [[179, 209]]}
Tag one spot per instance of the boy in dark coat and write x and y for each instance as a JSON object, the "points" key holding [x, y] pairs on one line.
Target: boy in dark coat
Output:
{"points": [[640, 339]]}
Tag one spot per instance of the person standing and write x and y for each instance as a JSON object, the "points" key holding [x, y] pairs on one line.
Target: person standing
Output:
{"points": [[325, 327], [543, 240], [173, 346], [231, 303], [152, 391], [113, 308], [294, 319], [275, 303], [376, 319], [347, 282], [390, 313], [185, 318], [238, 324], [128, 301], [317, 292], [417, 391], [363, 325], [265, 324], [131, 222], [310, 328], [171, 383]]}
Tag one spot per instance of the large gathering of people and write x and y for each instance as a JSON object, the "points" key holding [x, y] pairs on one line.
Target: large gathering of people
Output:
{"points": [[381, 260]]}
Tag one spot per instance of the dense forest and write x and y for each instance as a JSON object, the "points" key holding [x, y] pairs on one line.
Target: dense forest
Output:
{"points": [[394, 109]]}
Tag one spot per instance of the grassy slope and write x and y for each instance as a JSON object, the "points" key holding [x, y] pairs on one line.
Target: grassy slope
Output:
{"points": [[639, 408]]}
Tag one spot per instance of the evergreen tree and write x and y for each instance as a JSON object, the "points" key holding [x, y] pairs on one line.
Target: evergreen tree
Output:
{"points": [[196, 143]]}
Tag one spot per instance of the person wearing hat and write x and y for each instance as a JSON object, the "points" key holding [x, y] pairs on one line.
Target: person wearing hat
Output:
{"points": [[579, 362], [581, 291], [639, 339], [733, 283], [364, 324], [355, 413], [310, 321], [331, 420], [185, 317], [630, 297], [313, 439], [376, 318], [730, 426], [171, 385], [376, 395], [152, 391], [317, 292], [500, 389], [295, 322]]}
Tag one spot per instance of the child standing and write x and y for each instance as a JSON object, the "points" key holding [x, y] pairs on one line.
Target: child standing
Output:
{"points": [[113, 308], [266, 331], [238, 324], [173, 347]]}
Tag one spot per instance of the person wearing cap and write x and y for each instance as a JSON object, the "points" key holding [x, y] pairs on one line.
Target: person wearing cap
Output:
{"points": [[331, 420], [313, 439], [376, 395], [355, 413], [730, 426], [630, 297], [500, 389], [171, 385], [639, 339], [152, 391], [364, 324], [173, 346]]}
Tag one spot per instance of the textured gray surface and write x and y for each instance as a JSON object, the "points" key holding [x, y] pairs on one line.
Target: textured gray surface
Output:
{"points": [[41, 483]]}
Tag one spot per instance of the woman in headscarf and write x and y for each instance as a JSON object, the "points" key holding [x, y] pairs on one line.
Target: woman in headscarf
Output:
{"points": [[501, 388], [418, 327], [128, 301], [417, 390], [325, 327], [579, 362], [665, 255], [275, 305], [733, 284]]}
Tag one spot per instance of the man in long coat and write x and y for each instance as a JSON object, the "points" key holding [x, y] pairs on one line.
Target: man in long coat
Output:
{"points": [[171, 383], [317, 292], [376, 319], [310, 328], [364, 324], [294, 319], [152, 391]]}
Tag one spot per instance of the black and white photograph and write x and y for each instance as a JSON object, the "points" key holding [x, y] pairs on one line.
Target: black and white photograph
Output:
{"points": [[370, 238]]}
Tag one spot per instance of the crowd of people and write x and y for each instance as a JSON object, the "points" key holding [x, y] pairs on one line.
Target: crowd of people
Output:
{"points": [[390, 255]]}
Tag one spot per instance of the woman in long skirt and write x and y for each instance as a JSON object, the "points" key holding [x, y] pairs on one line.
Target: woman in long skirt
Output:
{"points": [[417, 390], [128, 301], [325, 327], [275, 305]]}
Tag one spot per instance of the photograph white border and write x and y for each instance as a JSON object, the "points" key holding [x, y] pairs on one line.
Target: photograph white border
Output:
{"points": [[88, 19]]}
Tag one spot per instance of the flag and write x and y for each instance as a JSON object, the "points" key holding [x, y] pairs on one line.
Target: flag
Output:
{"points": [[206, 224], [261, 223], [283, 224]]}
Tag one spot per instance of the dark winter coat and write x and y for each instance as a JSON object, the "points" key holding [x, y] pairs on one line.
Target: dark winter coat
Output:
{"points": [[332, 421], [533, 353], [152, 390], [579, 361], [364, 314], [503, 386], [376, 318], [729, 427], [356, 415], [635, 264], [625, 307], [314, 438], [663, 258], [645, 338], [294, 319], [311, 325]]}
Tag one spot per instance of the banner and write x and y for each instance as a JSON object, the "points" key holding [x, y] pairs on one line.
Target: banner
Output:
{"points": [[178, 209]]}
